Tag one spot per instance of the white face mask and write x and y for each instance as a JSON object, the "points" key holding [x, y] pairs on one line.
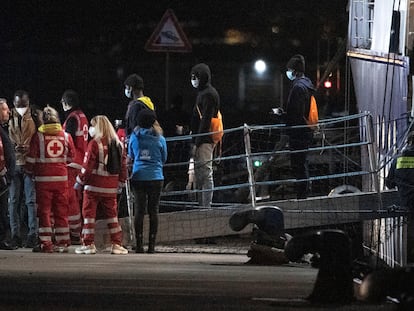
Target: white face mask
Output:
{"points": [[65, 106], [290, 75], [21, 111], [92, 131], [128, 92], [195, 83]]}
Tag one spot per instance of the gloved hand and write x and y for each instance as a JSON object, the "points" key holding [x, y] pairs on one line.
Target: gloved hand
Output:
{"points": [[77, 186], [277, 111], [120, 187]]}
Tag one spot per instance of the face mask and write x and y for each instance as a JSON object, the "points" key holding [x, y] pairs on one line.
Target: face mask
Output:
{"points": [[128, 93], [65, 106], [290, 75], [195, 83], [92, 131], [21, 111]]}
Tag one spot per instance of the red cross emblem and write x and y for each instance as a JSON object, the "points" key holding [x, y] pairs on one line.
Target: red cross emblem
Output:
{"points": [[85, 132], [54, 148]]}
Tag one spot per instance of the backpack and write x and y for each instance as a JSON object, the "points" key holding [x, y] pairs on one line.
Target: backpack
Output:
{"points": [[113, 165], [313, 118], [216, 127]]}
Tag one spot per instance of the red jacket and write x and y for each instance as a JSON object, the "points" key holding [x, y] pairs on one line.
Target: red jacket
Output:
{"points": [[81, 136], [50, 151], [94, 175]]}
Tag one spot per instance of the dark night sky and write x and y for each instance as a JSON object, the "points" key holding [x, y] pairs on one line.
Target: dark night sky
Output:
{"points": [[47, 46]]}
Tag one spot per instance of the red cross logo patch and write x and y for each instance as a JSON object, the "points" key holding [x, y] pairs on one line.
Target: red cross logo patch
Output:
{"points": [[54, 148], [85, 132]]}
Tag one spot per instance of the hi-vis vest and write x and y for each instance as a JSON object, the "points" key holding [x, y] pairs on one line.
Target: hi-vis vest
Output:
{"points": [[94, 175], [405, 162], [48, 157], [81, 137]]}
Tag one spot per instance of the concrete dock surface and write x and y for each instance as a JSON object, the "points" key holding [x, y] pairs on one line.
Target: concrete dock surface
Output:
{"points": [[160, 281]]}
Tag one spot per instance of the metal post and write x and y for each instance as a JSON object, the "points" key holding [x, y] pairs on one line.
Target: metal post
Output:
{"points": [[372, 153], [249, 163], [167, 80], [130, 205]]}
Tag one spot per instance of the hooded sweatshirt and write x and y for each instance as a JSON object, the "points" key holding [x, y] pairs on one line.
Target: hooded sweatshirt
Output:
{"points": [[208, 102], [297, 107], [148, 150], [134, 107]]}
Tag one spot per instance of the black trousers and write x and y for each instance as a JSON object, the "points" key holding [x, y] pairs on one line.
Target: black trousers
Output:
{"points": [[300, 139], [147, 198], [4, 216]]}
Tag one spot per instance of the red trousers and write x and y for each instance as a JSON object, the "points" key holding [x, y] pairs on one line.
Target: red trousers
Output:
{"points": [[74, 214], [91, 201], [52, 199]]}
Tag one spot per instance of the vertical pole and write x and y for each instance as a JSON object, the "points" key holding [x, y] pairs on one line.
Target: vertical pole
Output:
{"points": [[372, 153], [248, 151], [167, 80]]}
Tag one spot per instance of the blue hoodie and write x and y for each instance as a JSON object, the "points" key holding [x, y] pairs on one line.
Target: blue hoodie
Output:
{"points": [[148, 150]]}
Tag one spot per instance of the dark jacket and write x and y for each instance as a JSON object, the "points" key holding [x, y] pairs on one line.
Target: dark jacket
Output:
{"points": [[297, 107], [9, 155], [401, 175], [134, 107], [208, 102]]}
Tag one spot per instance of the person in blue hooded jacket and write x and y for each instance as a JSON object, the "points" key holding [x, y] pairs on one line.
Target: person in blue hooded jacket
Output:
{"points": [[297, 111], [148, 151]]}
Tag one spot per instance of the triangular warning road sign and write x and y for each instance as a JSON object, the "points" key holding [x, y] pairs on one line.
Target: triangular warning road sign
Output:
{"points": [[168, 36]]}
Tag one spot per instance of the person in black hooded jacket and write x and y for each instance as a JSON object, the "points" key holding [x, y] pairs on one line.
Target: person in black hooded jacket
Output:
{"points": [[206, 107], [297, 110]]}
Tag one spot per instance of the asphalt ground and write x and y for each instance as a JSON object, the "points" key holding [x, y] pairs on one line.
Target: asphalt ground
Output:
{"points": [[160, 281]]}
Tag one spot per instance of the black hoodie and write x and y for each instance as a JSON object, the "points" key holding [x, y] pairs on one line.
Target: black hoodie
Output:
{"points": [[208, 102], [297, 107]]}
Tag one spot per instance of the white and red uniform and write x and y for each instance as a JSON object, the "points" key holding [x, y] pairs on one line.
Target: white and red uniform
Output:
{"points": [[100, 187], [81, 143], [50, 150]]}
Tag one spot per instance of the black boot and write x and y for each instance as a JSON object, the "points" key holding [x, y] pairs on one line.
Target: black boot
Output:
{"points": [[139, 248], [151, 244]]}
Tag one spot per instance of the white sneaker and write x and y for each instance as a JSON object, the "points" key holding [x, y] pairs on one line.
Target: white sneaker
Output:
{"points": [[117, 249], [86, 249]]}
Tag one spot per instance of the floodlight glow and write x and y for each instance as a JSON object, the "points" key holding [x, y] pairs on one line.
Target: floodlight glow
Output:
{"points": [[327, 84], [260, 66]]}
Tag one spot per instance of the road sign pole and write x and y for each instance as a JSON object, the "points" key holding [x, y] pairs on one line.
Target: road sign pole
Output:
{"points": [[167, 80]]}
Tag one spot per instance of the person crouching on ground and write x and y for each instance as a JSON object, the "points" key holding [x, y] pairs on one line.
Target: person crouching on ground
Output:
{"points": [[101, 185], [148, 151], [50, 150]]}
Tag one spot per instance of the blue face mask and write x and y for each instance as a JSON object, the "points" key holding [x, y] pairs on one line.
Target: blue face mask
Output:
{"points": [[290, 75]]}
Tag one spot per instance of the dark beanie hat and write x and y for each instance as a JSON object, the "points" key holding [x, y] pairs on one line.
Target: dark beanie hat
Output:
{"points": [[146, 118], [134, 81], [297, 62]]}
